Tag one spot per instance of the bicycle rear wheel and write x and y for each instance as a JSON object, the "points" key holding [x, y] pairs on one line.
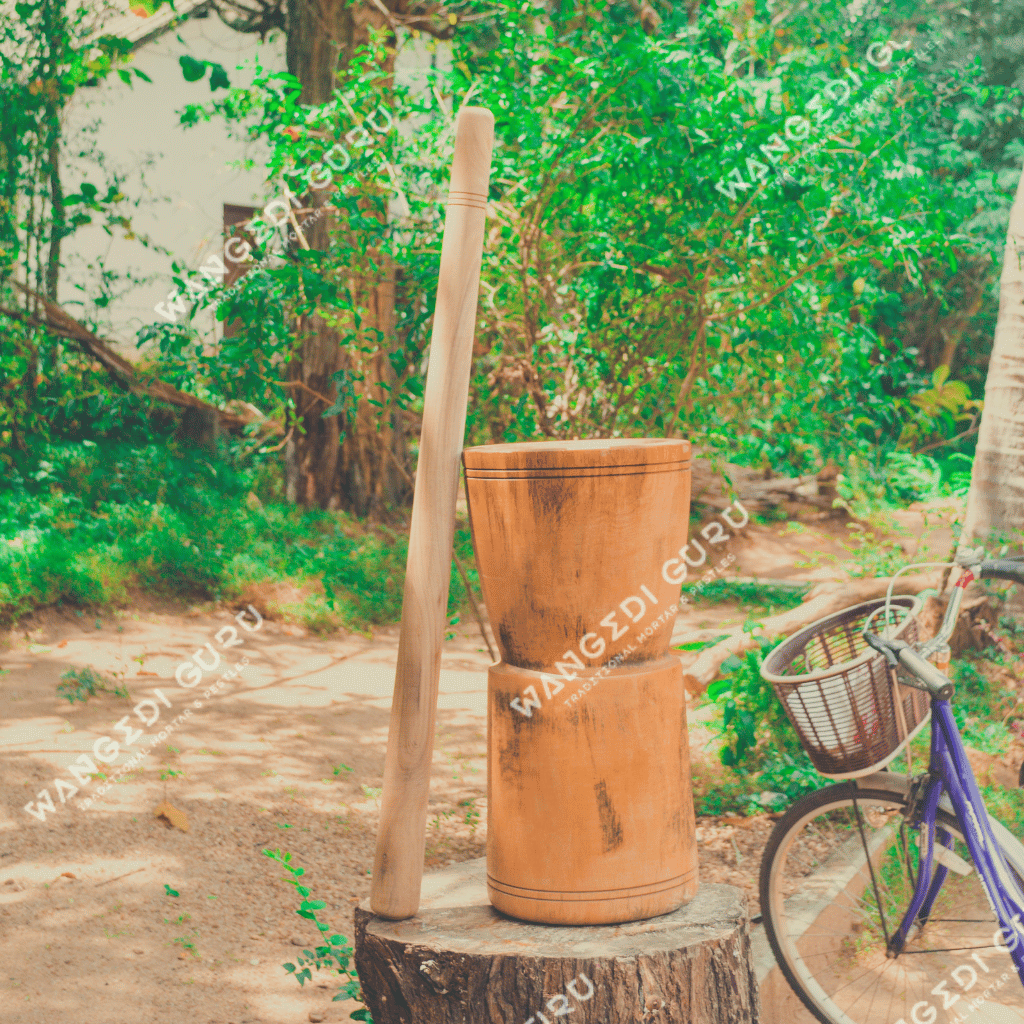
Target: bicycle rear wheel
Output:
{"points": [[836, 878]]}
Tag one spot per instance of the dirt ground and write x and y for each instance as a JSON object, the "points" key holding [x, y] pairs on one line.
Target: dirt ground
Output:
{"points": [[110, 914]]}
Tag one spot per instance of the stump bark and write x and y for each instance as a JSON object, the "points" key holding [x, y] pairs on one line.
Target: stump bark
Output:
{"points": [[459, 961]]}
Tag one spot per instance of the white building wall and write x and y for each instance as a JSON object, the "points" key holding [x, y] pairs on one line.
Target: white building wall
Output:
{"points": [[187, 175]]}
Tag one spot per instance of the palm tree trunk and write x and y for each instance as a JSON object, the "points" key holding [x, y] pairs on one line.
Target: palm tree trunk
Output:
{"points": [[995, 503]]}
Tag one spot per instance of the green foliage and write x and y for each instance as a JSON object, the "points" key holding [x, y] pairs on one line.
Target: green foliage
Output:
{"points": [[625, 289], [194, 70], [761, 594], [941, 410], [758, 742], [335, 955], [79, 684], [736, 227], [752, 719], [350, 147], [895, 479], [626, 295], [100, 520], [784, 780], [49, 52]]}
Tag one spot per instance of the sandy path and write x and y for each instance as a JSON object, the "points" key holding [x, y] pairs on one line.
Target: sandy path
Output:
{"points": [[258, 756], [87, 930]]}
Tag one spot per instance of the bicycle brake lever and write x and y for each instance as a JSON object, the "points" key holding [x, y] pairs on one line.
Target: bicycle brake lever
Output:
{"points": [[889, 648]]}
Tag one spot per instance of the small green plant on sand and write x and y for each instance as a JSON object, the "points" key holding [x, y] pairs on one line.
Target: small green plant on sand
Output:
{"points": [[166, 774], [335, 956], [436, 842], [187, 944], [472, 818], [83, 683]]}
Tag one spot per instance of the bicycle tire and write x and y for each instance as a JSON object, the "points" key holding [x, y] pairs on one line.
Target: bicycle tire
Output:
{"points": [[793, 962]]}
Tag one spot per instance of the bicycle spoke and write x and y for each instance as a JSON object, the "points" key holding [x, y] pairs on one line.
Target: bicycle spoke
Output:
{"points": [[871, 868], [838, 879]]}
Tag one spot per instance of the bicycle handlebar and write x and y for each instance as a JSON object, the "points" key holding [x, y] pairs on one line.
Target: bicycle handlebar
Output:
{"points": [[1002, 569], [977, 568], [925, 675]]}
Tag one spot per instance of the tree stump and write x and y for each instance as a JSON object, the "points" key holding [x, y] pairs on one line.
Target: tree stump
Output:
{"points": [[459, 961]]}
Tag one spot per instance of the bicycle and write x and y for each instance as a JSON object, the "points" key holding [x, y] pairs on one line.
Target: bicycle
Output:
{"points": [[893, 898]]}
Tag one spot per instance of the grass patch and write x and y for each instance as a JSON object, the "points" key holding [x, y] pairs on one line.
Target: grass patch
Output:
{"points": [[1006, 806], [79, 684], [101, 521], [760, 594]]}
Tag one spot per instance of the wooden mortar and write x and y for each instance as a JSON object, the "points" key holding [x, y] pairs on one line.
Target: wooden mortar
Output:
{"points": [[590, 809]]}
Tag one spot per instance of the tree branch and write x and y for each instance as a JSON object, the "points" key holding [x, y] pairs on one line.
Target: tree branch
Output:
{"points": [[125, 374]]}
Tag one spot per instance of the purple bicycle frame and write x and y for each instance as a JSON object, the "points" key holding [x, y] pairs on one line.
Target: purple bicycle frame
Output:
{"points": [[951, 772]]}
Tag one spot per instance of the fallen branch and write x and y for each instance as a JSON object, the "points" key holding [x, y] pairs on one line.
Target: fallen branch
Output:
{"points": [[793, 488], [61, 323], [117, 878], [709, 487], [823, 600]]}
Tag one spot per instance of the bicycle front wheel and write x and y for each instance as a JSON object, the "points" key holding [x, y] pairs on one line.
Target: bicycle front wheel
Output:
{"points": [[836, 879]]}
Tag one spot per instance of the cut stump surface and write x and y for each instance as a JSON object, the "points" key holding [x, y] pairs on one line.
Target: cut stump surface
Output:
{"points": [[459, 961]]}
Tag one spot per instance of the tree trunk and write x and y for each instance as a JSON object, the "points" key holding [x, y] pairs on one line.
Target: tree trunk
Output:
{"points": [[371, 469], [362, 471], [58, 230], [459, 961], [57, 213], [312, 451], [316, 29], [995, 503]]}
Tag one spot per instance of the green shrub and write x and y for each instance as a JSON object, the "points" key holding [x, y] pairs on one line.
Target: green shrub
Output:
{"points": [[758, 742], [83, 683], [100, 520]]}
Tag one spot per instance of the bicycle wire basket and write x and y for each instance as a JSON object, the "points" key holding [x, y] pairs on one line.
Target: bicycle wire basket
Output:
{"points": [[841, 695]]}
